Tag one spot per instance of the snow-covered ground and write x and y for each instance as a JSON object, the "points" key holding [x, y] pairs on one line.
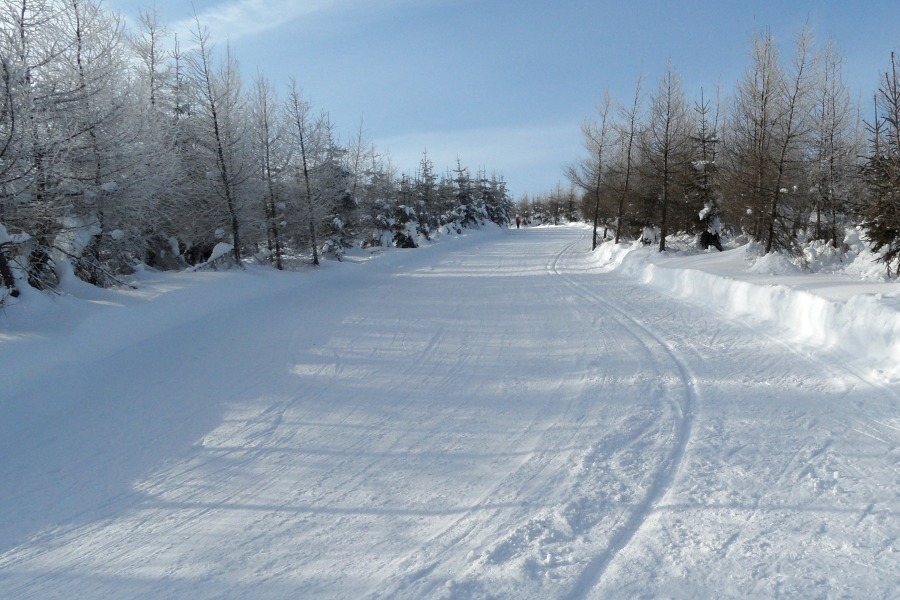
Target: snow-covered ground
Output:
{"points": [[501, 415]]}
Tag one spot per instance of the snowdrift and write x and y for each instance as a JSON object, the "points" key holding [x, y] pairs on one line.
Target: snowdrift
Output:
{"points": [[844, 306]]}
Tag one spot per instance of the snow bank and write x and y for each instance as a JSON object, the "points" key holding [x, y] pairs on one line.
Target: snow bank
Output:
{"points": [[835, 310]]}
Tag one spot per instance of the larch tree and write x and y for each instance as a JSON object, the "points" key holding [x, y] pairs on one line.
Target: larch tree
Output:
{"points": [[103, 151], [148, 44], [217, 96], [303, 133], [589, 173], [665, 146], [269, 133], [33, 198], [627, 131], [791, 129], [750, 143], [836, 143]]}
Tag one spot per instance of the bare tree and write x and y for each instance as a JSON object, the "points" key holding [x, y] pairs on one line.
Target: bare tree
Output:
{"points": [[272, 158], [588, 174], [665, 144], [837, 144], [769, 135], [218, 97], [750, 143], [792, 127], [299, 110], [628, 132], [8, 133], [149, 45]]}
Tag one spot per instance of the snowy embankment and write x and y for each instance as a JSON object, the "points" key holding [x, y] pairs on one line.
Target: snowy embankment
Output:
{"points": [[836, 303]]}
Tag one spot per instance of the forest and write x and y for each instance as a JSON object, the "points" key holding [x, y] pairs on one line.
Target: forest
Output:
{"points": [[789, 156], [121, 148], [126, 147]]}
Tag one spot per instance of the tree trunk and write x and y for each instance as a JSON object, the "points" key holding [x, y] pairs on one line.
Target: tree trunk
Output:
{"points": [[6, 274]]}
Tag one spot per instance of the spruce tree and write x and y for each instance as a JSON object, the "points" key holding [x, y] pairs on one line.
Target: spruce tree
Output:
{"points": [[881, 213]]}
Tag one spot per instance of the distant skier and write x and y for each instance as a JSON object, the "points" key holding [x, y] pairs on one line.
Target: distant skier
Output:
{"points": [[518, 221]]}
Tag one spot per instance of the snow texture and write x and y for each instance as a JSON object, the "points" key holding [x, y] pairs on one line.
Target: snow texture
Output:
{"points": [[505, 414]]}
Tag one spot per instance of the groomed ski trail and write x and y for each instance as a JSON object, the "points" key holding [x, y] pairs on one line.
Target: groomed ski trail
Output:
{"points": [[495, 416]]}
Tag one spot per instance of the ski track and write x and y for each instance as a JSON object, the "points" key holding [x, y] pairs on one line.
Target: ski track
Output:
{"points": [[498, 420], [668, 469], [782, 553]]}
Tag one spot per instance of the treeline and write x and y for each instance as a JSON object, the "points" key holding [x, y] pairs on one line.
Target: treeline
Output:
{"points": [[785, 159], [120, 148], [551, 208]]}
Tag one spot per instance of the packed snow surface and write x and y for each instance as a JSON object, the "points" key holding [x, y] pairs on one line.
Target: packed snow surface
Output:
{"points": [[501, 415]]}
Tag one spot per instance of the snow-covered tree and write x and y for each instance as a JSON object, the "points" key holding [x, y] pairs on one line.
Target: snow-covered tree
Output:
{"points": [[768, 135], [304, 132], [221, 130], [836, 146], [881, 212], [703, 187], [271, 154]]}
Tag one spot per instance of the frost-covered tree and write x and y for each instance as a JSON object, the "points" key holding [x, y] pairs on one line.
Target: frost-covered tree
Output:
{"points": [[304, 133], [112, 152], [271, 154], [356, 161], [494, 198], [881, 212], [468, 213], [220, 130], [33, 198], [768, 140], [66, 79], [426, 196], [333, 182], [703, 187], [836, 146]]}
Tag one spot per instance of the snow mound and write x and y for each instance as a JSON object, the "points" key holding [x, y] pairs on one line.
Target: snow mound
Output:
{"points": [[773, 264], [842, 302]]}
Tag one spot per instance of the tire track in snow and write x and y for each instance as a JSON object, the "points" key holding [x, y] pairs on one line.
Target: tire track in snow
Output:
{"points": [[668, 470]]}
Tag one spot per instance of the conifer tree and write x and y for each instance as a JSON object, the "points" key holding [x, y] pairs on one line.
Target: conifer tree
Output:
{"points": [[881, 213]]}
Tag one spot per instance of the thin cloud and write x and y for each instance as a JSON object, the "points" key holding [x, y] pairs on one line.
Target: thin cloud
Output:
{"points": [[236, 19], [243, 18]]}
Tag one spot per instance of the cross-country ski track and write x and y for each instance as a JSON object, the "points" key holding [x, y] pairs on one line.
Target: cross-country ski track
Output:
{"points": [[494, 416]]}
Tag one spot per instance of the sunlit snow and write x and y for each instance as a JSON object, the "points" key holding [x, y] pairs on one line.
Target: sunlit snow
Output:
{"points": [[503, 414]]}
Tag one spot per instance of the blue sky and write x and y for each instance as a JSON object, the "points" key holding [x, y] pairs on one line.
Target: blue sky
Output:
{"points": [[506, 84]]}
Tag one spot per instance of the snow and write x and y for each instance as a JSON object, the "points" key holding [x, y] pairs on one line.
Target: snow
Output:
{"points": [[503, 414], [834, 307], [220, 250]]}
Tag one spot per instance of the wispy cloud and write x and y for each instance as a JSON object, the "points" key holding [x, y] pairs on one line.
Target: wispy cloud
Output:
{"points": [[236, 19], [241, 18]]}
